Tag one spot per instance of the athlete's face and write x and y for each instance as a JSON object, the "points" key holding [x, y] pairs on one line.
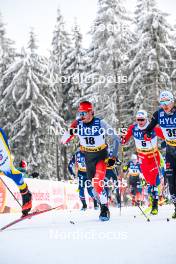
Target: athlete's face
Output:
{"points": [[167, 108], [86, 117], [141, 122]]}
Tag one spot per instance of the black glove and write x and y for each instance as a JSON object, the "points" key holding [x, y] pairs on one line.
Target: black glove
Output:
{"points": [[147, 133], [110, 162], [34, 174]]}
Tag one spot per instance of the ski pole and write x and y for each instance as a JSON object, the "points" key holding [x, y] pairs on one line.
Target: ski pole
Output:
{"points": [[122, 149], [120, 204], [148, 219], [10, 192]]}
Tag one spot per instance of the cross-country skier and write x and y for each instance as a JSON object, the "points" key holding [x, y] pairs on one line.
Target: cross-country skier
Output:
{"points": [[7, 167], [133, 171], [148, 154], [92, 132], [78, 161], [165, 117], [24, 169]]}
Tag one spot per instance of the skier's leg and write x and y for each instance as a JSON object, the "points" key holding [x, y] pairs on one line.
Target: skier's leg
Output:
{"points": [[96, 170], [132, 183], [17, 177], [154, 193], [99, 181], [81, 188], [118, 197], [91, 193], [139, 191], [99, 188], [171, 176], [89, 188]]}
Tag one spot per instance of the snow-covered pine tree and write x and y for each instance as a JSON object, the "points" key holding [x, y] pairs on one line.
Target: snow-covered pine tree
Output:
{"points": [[172, 64], [75, 66], [29, 131], [107, 57], [109, 44], [7, 51], [140, 9], [59, 78], [7, 56], [149, 56]]}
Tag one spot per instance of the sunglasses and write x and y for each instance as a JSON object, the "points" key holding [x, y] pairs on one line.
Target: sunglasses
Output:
{"points": [[165, 103], [83, 113], [140, 119]]}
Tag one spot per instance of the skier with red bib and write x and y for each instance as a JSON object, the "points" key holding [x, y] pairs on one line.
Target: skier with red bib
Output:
{"points": [[92, 133], [148, 154]]}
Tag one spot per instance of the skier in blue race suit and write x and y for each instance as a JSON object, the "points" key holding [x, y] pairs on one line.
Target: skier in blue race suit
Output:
{"points": [[78, 161]]}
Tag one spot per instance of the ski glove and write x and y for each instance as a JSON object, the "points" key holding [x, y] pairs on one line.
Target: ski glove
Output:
{"points": [[147, 136], [110, 162], [35, 174]]}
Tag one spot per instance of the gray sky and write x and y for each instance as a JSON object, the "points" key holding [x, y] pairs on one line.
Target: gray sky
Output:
{"points": [[20, 15]]}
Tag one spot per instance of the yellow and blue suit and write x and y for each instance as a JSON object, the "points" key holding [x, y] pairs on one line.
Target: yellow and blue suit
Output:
{"points": [[78, 160], [6, 163]]}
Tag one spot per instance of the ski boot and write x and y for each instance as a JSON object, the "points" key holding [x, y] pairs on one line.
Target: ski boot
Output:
{"points": [[154, 210], [174, 214], [84, 207], [104, 213], [95, 204], [26, 201], [138, 203]]}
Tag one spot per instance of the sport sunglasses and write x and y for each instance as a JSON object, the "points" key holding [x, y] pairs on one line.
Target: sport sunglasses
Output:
{"points": [[140, 119], [83, 113]]}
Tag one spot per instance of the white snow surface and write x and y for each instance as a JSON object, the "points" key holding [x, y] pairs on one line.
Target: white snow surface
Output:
{"points": [[51, 238]]}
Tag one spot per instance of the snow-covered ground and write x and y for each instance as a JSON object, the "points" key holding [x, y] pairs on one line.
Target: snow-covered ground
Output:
{"points": [[52, 238]]}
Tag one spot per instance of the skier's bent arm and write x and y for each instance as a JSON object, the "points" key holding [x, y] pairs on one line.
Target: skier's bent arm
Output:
{"points": [[70, 134], [153, 122], [152, 125], [128, 135]]}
